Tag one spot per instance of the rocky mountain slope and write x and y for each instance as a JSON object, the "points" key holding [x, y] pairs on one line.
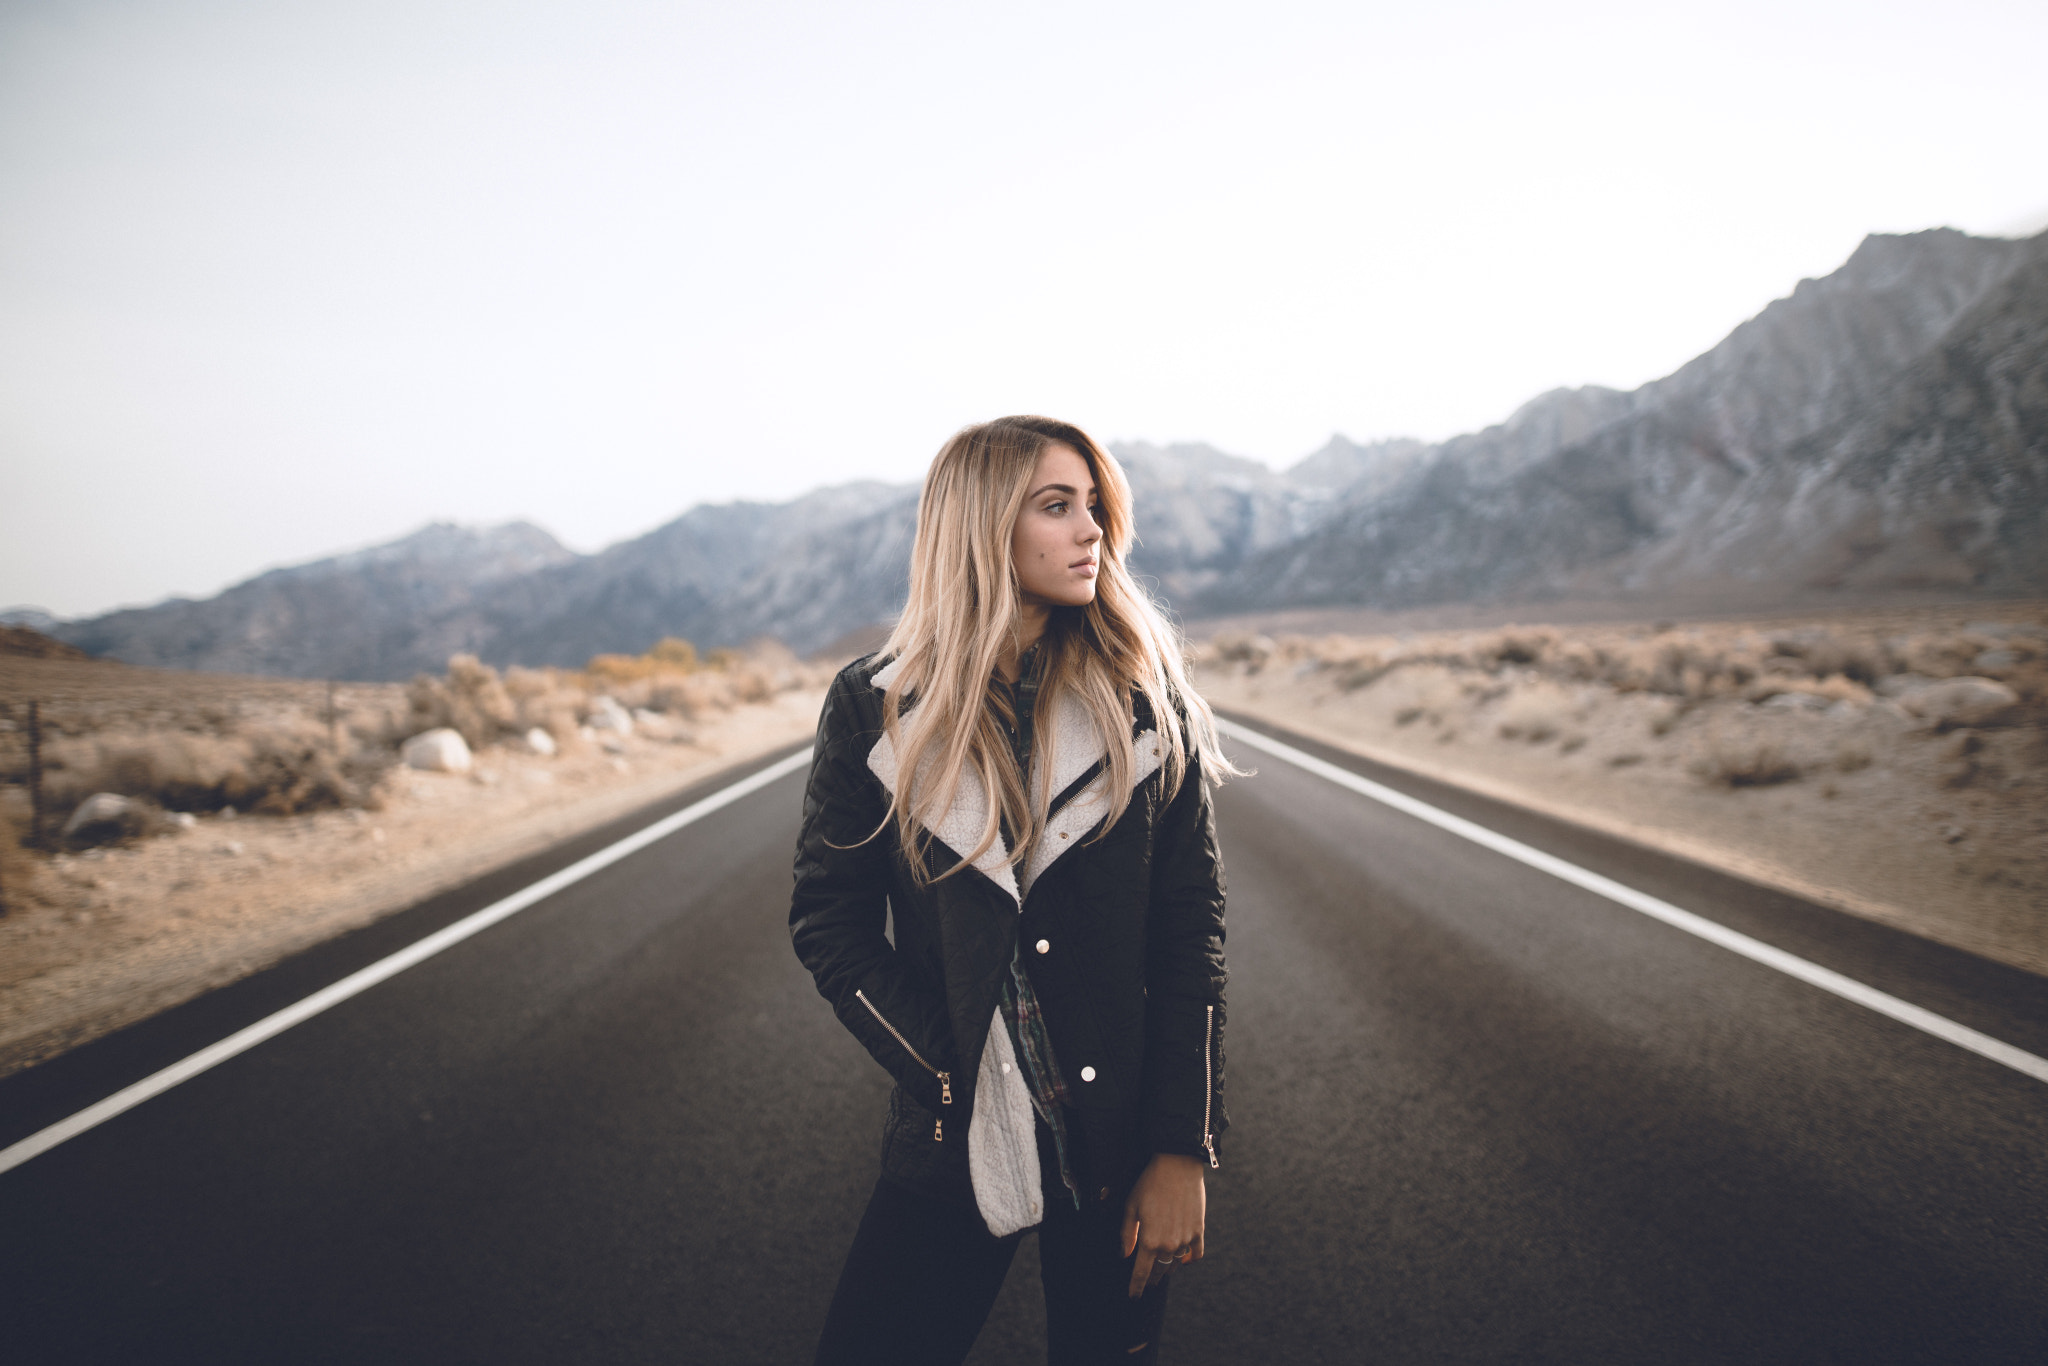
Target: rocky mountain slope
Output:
{"points": [[806, 571], [370, 614], [1884, 428], [1754, 465]]}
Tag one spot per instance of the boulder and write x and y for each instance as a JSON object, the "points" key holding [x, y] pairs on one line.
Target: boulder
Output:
{"points": [[442, 750], [607, 715], [1966, 701], [1898, 685], [538, 741], [103, 815]]}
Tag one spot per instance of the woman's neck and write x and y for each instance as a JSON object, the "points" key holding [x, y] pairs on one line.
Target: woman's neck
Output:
{"points": [[1031, 621]]}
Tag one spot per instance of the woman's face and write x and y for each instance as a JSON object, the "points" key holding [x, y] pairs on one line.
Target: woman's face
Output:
{"points": [[1054, 542]]}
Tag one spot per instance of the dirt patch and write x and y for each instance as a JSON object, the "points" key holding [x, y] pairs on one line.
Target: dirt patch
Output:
{"points": [[1891, 763], [105, 936]]}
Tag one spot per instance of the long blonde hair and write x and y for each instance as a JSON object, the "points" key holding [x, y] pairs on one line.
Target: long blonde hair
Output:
{"points": [[964, 609]]}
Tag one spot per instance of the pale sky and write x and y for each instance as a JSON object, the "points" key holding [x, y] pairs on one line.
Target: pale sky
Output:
{"points": [[283, 279]]}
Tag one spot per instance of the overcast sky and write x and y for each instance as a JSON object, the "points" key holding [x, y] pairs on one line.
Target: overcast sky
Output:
{"points": [[279, 279]]}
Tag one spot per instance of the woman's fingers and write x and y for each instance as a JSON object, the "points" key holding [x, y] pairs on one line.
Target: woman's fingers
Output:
{"points": [[1149, 1268], [1155, 1258]]}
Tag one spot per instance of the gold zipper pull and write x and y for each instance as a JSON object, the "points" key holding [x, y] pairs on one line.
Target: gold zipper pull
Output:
{"points": [[938, 1131], [1210, 1144], [945, 1088]]}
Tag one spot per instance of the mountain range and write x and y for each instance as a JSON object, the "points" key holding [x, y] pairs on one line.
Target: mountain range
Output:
{"points": [[1884, 428]]}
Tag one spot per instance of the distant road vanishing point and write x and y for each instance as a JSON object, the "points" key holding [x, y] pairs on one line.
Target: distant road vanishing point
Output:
{"points": [[1481, 1113]]}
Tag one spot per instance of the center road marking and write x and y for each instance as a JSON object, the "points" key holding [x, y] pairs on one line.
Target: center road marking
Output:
{"points": [[128, 1097], [1848, 988]]}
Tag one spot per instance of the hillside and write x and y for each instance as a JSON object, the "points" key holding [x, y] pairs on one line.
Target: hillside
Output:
{"points": [[1879, 431], [1755, 464]]}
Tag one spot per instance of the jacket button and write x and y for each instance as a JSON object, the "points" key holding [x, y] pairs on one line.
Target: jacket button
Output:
{"points": [[1044, 946], [1104, 1195], [1087, 1074]]}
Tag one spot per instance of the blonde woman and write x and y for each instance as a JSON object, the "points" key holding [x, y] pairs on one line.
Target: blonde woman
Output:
{"points": [[1021, 778]]}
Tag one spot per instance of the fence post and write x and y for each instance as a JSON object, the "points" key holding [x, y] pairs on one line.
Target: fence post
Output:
{"points": [[35, 775]]}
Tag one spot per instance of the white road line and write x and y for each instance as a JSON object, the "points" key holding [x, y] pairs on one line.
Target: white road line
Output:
{"points": [[1848, 988], [128, 1097]]}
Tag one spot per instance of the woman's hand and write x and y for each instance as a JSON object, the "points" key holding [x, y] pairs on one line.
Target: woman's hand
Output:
{"points": [[1164, 1217]]}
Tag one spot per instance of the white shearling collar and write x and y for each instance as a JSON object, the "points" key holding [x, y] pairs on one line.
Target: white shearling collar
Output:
{"points": [[1076, 747]]}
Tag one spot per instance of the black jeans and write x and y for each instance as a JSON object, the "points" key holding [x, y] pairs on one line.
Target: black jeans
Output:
{"points": [[923, 1275]]}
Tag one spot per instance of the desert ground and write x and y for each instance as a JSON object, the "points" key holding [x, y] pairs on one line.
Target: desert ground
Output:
{"points": [[1889, 762], [1892, 763], [265, 818]]}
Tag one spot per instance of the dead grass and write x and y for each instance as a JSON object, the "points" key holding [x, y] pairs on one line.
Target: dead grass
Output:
{"points": [[1745, 761], [275, 747], [94, 938], [1810, 753], [17, 869]]}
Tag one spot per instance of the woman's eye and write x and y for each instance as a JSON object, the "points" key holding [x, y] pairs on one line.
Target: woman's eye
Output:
{"points": [[1058, 507]]}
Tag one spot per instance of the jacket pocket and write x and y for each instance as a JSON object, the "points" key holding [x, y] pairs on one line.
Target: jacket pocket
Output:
{"points": [[945, 1078]]}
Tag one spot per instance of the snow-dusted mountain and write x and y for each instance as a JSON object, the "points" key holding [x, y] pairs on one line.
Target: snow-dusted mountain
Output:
{"points": [[1883, 428]]}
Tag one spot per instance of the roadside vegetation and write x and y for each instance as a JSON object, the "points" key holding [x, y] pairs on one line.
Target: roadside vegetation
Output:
{"points": [[1895, 761], [121, 754]]}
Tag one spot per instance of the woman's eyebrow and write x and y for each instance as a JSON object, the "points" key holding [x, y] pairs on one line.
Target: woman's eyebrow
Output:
{"points": [[1058, 488]]}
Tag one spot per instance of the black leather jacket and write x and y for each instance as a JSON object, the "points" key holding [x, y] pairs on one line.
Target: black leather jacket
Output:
{"points": [[1124, 943]]}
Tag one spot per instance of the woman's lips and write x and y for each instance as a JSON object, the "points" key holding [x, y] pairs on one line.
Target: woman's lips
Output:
{"points": [[1088, 565]]}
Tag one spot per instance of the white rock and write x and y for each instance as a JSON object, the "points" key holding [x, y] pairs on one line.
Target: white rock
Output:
{"points": [[441, 750], [101, 808], [539, 742], [607, 714], [1962, 701], [183, 820], [1898, 685], [1795, 701]]}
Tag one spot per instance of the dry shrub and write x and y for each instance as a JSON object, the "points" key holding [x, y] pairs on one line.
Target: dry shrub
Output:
{"points": [[1821, 653], [471, 699], [1741, 761], [672, 678], [1533, 726], [1936, 654], [1833, 688], [280, 768], [1852, 756], [17, 870], [1522, 647], [544, 698], [1241, 647], [1667, 718]]}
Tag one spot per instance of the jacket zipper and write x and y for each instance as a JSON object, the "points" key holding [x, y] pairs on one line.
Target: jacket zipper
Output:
{"points": [[945, 1078], [1208, 1082]]}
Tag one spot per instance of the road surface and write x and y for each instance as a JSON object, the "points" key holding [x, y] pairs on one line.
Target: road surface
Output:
{"points": [[1480, 1115]]}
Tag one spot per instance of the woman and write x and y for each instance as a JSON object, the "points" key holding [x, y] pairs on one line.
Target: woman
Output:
{"points": [[1051, 1005]]}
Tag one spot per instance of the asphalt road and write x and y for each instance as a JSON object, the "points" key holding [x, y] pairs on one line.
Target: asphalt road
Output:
{"points": [[1480, 1115]]}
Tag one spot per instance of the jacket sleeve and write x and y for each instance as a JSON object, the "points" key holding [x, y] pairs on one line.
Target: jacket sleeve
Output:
{"points": [[1184, 978], [838, 913]]}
